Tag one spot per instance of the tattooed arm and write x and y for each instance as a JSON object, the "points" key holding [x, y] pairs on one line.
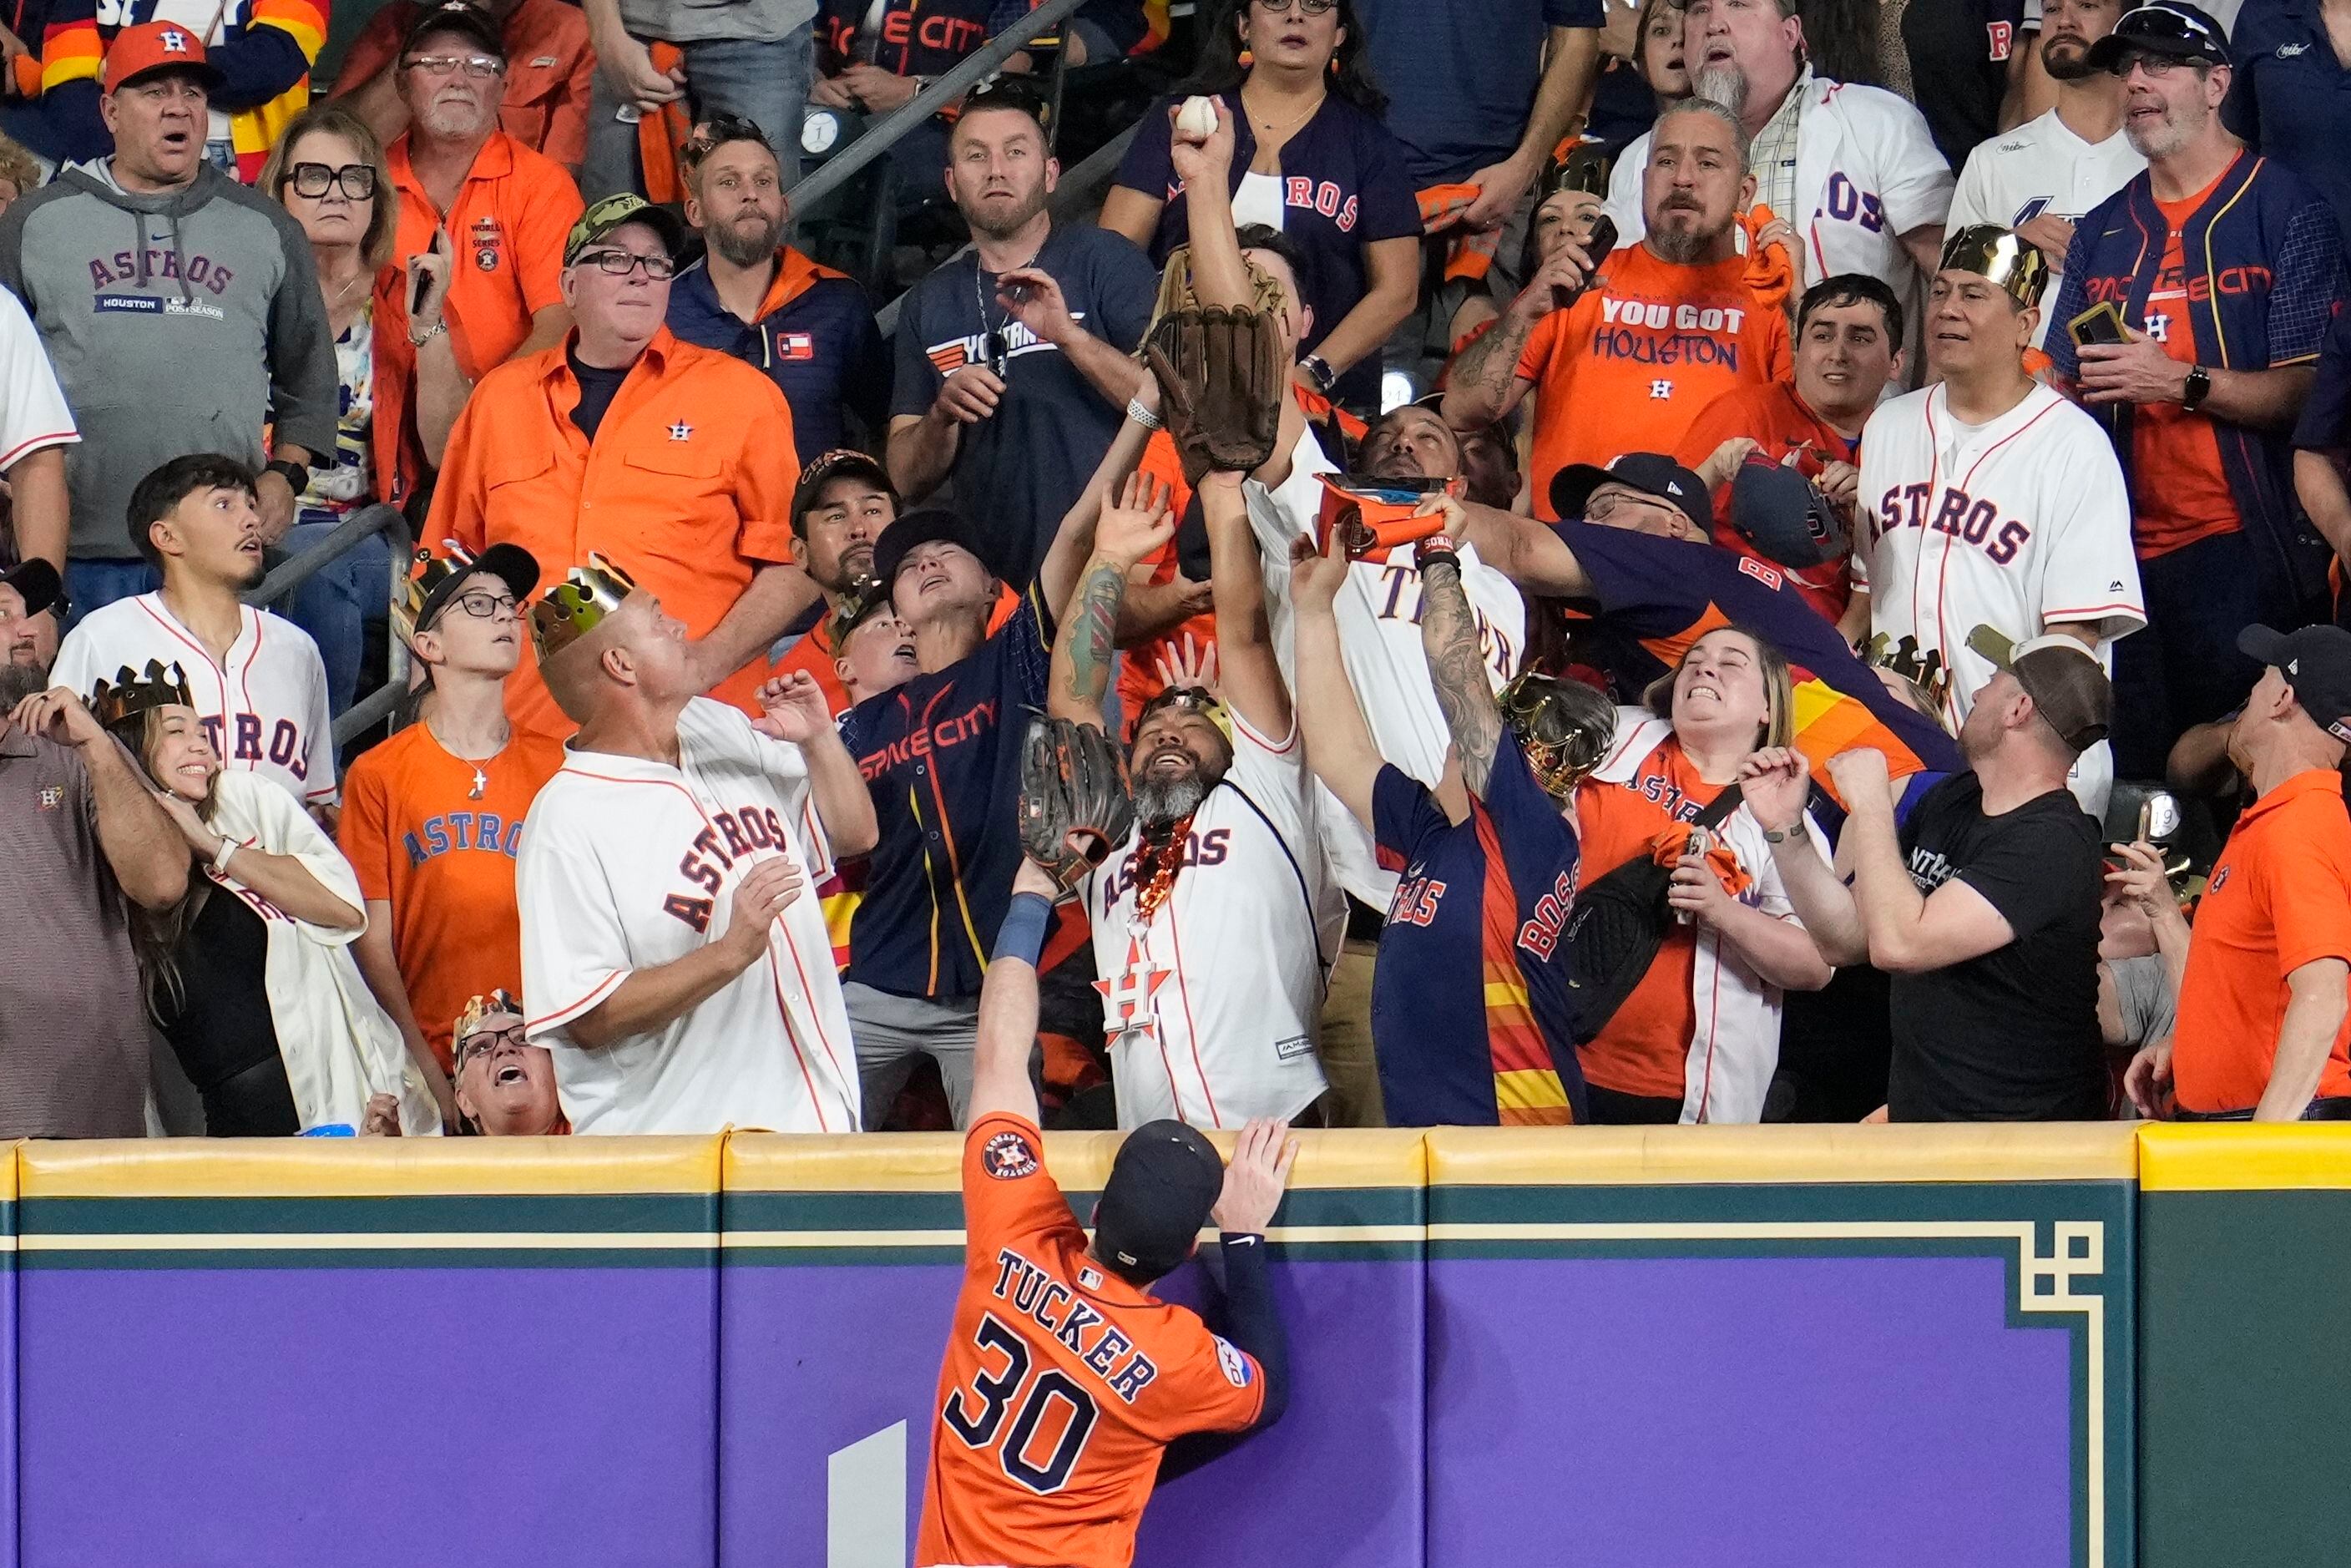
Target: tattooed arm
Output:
{"points": [[1482, 384], [1127, 531], [1251, 675], [1448, 636]]}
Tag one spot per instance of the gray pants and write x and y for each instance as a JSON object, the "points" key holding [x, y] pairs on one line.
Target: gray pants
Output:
{"points": [[765, 80], [891, 1031]]}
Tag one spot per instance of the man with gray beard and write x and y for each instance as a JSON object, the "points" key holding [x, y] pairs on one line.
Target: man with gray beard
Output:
{"points": [[2224, 268], [28, 633], [809, 328], [1853, 169]]}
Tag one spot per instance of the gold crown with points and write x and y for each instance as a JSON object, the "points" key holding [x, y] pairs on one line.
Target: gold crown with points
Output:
{"points": [[134, 692], [579, 604], [427, 572], [481, 1008], [1926, 670], [2015, 266]]}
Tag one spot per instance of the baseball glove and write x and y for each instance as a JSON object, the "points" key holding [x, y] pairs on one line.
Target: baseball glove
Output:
{"points": [[1221, 380], [1074, 808]]}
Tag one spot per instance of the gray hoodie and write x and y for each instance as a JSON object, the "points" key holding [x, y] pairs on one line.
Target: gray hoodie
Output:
{"points": [[184, 321]]}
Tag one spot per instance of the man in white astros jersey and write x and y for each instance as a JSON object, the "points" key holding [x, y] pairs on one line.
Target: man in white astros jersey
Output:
{"points": [[674, 958], [1214, 924], [1991, 499]]}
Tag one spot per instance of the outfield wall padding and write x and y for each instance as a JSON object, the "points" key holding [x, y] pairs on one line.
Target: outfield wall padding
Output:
{"points": [[2076, 1347]]}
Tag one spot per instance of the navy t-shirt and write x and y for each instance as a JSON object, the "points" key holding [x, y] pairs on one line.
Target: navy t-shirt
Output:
{"points": [[2325, 422], [2290, 97], [1960, 52], [1460, 74], [1017, 471], [1344, 185], [941, 756], [1472, 1018]]}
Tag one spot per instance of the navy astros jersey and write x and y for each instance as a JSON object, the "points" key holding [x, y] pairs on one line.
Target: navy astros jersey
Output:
{"points": [[1472, 1018], [941, 756]]}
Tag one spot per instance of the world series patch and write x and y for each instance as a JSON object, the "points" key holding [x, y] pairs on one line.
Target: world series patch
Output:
{"points": [[1008, 1157], [1232, 1363]]}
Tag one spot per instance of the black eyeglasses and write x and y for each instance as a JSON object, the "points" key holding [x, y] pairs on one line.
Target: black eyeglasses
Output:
{"points": [[480, 1043], [717, 132], [484, 605], [621, 263], [315, 180], [1310, 8]]}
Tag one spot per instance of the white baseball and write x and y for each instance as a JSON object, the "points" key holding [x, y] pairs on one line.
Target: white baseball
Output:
{"points": [[1196, 120]]}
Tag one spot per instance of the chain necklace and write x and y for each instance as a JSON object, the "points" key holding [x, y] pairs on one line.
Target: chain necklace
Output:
{"points": [[1159, 856], [1265, 131]]}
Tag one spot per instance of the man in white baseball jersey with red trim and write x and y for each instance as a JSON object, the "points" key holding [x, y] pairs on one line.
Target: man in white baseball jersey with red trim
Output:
{"points": [[1987, 498], [675, 958], [1215, 923], [1852, 168], [257, 678]]}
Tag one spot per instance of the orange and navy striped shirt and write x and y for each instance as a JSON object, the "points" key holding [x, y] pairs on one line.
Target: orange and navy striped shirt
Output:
{"points": [[1471, 1016]]}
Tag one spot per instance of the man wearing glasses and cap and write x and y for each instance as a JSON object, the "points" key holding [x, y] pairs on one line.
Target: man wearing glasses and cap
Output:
{"points": [[2223, 268], [2263, 1008], [479, 250], [1982, 904], [1985, 498], [675, 462], [433, 818]]}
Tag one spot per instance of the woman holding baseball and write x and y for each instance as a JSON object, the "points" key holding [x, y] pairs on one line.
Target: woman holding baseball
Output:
{"points": [[1309, 156]]}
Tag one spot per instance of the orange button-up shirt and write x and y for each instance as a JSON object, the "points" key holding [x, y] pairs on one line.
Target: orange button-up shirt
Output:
{"points": [[687, 488], [550, 71], [505, 243]]}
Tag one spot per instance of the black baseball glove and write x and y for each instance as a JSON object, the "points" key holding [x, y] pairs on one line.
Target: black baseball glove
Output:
{"points": [[1220, 381], [1074, 807]]}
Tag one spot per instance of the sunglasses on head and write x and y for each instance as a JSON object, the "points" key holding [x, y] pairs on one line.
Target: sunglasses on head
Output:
{"points": [[717, 132]]}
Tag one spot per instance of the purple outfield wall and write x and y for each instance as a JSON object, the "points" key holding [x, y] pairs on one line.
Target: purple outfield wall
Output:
{"points": [[1624, 1347]]}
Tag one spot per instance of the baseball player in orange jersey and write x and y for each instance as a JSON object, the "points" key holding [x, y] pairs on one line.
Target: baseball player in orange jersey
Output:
{"points": [[1065, 1380]]}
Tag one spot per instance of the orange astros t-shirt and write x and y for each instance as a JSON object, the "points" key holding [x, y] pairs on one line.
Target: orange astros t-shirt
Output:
{"points": [[1644, 1044], [442, 853], [2279, 897], [1063, 1383], [2179, 488], [1627, 367], [1781, 426]]}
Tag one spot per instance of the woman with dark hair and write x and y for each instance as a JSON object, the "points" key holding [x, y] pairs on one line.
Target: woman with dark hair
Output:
{"points": [[1312, 160], [250, 975]]}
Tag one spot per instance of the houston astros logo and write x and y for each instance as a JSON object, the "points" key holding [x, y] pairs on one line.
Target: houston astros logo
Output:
{"points": [[1132, 993], [681, 431], [175, 43]]}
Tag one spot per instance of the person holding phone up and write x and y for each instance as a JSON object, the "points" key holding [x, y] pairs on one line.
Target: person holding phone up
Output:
{"points": [[479, 249]]}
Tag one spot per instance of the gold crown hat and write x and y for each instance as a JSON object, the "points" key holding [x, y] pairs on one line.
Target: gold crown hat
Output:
{"points": [[133, 693], [482, 1007], [579, 604], [1927, 671], [2015, 266]]}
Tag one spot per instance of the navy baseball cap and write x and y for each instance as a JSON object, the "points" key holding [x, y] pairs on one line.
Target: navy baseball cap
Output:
{"points": [[1650, 473], [1162, 1185], [2174, 30], [2316, 662], [509, 563], [924, 526]]}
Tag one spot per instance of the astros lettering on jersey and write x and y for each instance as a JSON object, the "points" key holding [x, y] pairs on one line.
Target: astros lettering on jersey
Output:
{"points": [[627, 864], [1211, 1007]]}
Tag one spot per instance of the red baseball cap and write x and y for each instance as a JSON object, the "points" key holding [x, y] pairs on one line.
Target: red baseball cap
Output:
{"points": [[155, 46]]}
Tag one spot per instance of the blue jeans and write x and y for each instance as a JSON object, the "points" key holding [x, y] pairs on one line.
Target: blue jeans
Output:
{"points": [[335, 603], [765, 80], [94, 584]]}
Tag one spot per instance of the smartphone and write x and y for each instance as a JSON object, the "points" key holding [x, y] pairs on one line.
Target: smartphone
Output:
{"points": [[1598, 248], [419, 284], [2101, 323]]}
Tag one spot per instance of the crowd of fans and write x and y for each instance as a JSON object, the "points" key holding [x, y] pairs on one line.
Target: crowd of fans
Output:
{"points": [[1796, 579]]}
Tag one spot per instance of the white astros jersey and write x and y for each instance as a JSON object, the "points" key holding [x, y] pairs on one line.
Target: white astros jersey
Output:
{"points": [[2019, 523], [264, 710], [1379, 639], [1211, 1008], [2039, 169], [627, 864]]}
